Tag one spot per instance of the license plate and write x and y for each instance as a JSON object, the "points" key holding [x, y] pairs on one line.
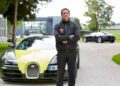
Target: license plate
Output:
{"points": [[52, 68]]}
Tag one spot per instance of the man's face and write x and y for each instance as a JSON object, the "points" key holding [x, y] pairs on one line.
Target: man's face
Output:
{"points": [[65, 15]]}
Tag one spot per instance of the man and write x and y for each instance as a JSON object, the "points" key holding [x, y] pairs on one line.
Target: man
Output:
{"points": [[66, 34]]}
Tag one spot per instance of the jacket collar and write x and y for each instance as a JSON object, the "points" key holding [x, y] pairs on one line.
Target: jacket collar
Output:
{"points": [[64, 22]]}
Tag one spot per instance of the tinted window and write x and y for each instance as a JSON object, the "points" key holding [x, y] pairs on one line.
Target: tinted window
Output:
{"points": [[25, 44], [42, 44]]}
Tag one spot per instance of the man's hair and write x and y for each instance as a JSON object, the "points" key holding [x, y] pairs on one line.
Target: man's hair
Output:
{"points": [[65, 9]]}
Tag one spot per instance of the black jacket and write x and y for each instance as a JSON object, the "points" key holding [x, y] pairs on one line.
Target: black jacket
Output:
{"points": [[66, 31]]}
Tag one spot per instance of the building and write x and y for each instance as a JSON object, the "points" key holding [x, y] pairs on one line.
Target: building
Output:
{"points": [[44, 25], [3, 29]]}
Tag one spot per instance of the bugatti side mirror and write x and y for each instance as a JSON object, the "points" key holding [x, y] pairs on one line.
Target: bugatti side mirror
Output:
{"points": [[11, 45]]}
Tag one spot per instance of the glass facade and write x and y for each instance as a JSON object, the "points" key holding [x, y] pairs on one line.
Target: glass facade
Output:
{"points": [[3, 30], [35, 27]]}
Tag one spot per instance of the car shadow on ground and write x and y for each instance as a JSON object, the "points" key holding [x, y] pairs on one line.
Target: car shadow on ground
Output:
{"points": [[32, 83]]}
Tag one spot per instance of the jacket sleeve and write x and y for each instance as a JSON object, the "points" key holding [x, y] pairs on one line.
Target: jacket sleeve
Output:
{"points": [[76, 35], [58, 37]]}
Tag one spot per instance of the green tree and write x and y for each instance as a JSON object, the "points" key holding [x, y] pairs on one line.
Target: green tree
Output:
{"points": [[18, 10], [100, 13], [92, 24], [4, 5], [77, 21]]}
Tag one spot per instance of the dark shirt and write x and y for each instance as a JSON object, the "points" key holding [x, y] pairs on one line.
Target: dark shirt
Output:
{"points": [[66, 31]]}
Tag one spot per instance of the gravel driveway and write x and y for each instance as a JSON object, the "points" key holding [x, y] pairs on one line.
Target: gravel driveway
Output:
{"points": [[96, 67]]}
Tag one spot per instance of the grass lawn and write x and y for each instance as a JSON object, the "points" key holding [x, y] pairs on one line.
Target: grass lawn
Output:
{"points": [[116, 59], [19, 39], [116, 33], [3, 48]]}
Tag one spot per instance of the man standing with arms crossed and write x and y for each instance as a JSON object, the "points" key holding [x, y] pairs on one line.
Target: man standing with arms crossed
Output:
{"points": [[66, 34]]}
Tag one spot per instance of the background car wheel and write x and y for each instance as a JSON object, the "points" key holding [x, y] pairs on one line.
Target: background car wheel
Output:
{"points": [[85, 40], [112, 41], [99, 40]]}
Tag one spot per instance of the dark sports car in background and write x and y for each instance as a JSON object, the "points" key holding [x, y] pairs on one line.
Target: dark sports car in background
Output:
{"points": [[33, 59], [99, 37]]}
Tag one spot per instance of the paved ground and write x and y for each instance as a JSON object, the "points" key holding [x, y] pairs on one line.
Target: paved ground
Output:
{"points": [[97, 68]]}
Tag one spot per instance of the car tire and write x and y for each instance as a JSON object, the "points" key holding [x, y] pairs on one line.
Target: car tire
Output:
{"points": [[85, 40], [99, 40], [78, 62], [112, 41]]}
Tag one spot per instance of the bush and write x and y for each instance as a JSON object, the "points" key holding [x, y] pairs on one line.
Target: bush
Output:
{"points": [[9, 40], [84, 32], [3, 48], [116, 59]]}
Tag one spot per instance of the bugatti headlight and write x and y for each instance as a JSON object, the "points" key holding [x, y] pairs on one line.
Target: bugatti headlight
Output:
{"points": [[10, 62], [54, 60], [53, 65], [9, 58]]}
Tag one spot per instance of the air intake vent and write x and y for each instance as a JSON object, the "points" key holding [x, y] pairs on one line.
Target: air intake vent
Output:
{"points": [[32, 71]]}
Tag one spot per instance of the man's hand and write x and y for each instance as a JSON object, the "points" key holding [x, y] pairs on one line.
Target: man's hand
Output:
{"points": [[65, 42], [71, 36]]}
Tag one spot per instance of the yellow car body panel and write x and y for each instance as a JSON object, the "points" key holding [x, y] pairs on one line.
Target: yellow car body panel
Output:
{"points": [[40, 57]]}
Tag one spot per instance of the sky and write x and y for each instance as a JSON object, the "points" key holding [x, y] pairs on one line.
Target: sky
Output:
{"points": [[77, 8]]}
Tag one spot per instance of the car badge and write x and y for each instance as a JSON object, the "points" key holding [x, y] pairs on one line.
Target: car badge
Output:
{"points": [[32, 66]]}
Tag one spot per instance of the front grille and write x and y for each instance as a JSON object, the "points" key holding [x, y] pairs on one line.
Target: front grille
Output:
{"points": [[49, 74], [12, 73], [53, 74], [32, 71]]}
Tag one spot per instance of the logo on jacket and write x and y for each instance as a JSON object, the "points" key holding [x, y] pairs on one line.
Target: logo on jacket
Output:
{"points": [[61, 30]]}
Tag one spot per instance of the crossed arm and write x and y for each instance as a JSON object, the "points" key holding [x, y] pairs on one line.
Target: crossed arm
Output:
{"points": [[67, 38]]}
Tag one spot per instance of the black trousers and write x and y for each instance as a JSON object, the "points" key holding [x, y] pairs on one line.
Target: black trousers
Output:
{"points": [[69, 57]]}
